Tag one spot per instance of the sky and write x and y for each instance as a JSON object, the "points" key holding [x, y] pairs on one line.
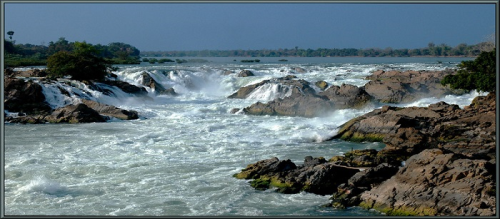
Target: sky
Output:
{"points": [[227, 26]]}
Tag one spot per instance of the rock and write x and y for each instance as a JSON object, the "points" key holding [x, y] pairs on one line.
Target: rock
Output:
{"points": [[299, 70], [112, 111], [303, 100], [148, 81], [407, 131], [26, 74], [302, 86], [435, 182], [245, 73], [79, 113], [315, 176], [128, 88], [24, 96], [234, 110], [321, 84], [408, 86], [347, 96], [348, 194]]}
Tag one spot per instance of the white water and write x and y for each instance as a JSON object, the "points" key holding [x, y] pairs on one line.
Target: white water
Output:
{"points": [[179, 157]]}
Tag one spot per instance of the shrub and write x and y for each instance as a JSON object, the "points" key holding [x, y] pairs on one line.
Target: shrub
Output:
{"points": [[81, 64], [479, 74]]}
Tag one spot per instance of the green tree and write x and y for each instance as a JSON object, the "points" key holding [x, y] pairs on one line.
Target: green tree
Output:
{"points": [[478, 74], [10, 33], [81, 64]]}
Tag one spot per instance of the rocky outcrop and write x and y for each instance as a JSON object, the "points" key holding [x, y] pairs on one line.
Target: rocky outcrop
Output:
{"points": [[348, 194], [79, 113], [347, 96], [24, 97], [245, 73], [111, 111], [243, 92], [435, 182], [128, 88], [407, 86], [449, 156], [27, 102], [26, 74], [315, 175], [304, 101], [384, 87], [148, 81]]}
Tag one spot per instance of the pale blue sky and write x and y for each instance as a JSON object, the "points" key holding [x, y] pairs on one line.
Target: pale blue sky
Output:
{"points": [[196, 26]]}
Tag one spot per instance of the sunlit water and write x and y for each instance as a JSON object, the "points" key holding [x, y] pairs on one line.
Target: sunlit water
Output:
{"points": [[179, 157]]}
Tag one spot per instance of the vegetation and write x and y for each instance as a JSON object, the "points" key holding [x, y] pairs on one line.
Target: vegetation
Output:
{"points": [[83, 63], [477, 74], [28, 54], [431, 50]]}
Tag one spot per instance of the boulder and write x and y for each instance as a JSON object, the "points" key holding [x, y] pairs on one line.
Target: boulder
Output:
{"points": [[435, 182], [148, 81], [348, 194], [24, 96], [347, 96], [128, 88], [315, 175], [111, 111], [79, 113], [304, 101], [245, 73], [407, 86]]}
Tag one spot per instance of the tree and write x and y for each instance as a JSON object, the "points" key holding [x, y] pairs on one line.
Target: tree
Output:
{"points": [[10, 33], [478, 74], [81, 64]]}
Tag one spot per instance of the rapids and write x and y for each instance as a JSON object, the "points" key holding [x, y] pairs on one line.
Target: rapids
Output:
{"points": [[178, 158]]}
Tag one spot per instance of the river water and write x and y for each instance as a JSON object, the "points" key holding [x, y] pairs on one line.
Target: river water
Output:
{"points": [[178, 158]]}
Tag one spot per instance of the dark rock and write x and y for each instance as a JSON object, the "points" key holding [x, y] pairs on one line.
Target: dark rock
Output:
{"points": [[347, 194], [148, 81], [347, 96], [245, 73], [315, 176], [79, 113], [24, 96], [234, 110], [112, 111], [128, 88]]}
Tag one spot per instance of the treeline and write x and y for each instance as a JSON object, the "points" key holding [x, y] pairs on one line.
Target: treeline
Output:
{"points": [[28, 54], [431, 50]]}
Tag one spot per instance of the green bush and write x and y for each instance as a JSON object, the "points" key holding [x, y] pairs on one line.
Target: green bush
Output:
{"points": [[153, 61], [81, 64], [478, 74]]}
